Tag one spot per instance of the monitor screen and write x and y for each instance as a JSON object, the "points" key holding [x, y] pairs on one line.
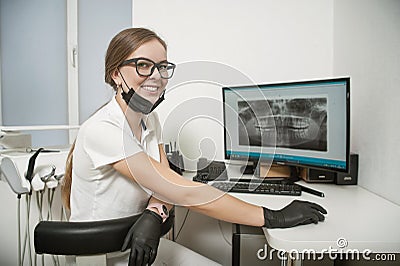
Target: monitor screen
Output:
{"points": [[305, 123]]}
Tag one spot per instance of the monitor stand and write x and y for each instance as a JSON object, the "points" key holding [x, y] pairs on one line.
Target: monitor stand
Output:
{"points": [[294, 174], [249, 168], [272, 171], [290, 173], [252, 168]]}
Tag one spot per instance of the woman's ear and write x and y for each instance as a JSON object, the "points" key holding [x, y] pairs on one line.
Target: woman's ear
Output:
{"points": [[116, 77]]}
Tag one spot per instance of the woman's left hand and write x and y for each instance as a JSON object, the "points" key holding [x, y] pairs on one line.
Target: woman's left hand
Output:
{"points": [[143, 239]]}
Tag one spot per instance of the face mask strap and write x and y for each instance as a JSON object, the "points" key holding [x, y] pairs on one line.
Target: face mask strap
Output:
{"points": [[126, 96], [162, 98]]}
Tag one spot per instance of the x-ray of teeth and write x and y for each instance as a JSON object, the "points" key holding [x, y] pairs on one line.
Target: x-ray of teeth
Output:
{"points": [[298, 123]]}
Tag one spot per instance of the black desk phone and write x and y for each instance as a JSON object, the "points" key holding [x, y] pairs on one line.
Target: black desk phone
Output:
{"points": [[210, 170]]}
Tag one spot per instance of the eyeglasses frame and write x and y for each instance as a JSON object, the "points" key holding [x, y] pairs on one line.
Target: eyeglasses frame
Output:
{"points": [[155, 65]]}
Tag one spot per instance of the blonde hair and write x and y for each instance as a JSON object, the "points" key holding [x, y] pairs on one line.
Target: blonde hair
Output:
{"points": [[121, 46]]}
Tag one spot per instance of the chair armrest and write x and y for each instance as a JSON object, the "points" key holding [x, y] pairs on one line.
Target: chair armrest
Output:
{"points": [[85, 238]]}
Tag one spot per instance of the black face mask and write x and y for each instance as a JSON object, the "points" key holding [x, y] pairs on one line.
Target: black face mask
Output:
{"points": [[137, 103]]}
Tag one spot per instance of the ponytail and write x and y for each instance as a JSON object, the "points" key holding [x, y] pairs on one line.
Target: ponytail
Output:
{"points": [[66, 186]]}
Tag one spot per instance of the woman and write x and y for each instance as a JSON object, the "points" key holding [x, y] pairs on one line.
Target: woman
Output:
{"points": [[119, 168]]}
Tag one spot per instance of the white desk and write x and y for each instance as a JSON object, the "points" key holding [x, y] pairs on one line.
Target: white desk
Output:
{"points": [[363, 219]]}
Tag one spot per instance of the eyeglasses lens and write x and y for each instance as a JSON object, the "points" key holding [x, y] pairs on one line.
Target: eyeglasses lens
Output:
{"points": [[146, 67]]}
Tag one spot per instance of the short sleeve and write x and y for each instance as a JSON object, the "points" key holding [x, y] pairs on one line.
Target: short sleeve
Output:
{"points": [[107, 143]]}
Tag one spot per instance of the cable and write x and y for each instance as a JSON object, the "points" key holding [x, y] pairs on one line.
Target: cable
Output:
{"points": [[19, 229], [222, 233], [24, 242], [27, 237], [39, 203], [63, 215], [28, 228], [49, 203], [50, 198], [183, 223]]}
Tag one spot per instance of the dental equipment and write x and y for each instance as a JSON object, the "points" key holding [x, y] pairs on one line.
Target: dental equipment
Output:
{"points": [[13, 140], [25, 173]]}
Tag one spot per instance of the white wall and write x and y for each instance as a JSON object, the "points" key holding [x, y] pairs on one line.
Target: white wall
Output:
{"points": [[257, 41], [367, 47]]}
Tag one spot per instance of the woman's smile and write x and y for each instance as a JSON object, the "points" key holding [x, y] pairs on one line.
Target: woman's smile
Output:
{"points": [[150, 88]]}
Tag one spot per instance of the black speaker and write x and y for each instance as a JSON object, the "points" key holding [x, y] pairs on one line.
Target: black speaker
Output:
{"points": [[316, 175], [351, 177]]}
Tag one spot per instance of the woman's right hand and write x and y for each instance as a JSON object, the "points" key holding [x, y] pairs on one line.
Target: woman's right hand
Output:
{"points": [[296, 213]]}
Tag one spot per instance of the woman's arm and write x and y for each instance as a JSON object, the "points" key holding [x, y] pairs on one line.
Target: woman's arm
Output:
{"points": [[163, 161], [163, 156], [170, 187]]}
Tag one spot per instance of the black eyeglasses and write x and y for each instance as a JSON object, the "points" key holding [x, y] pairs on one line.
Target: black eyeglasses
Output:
{"points": [[145, 67]]}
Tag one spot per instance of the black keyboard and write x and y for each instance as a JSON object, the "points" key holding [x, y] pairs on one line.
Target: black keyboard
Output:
{"points": [[265, 187]]}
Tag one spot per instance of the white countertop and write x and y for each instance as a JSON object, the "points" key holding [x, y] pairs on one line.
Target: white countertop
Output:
{"points": [[357, 219]]}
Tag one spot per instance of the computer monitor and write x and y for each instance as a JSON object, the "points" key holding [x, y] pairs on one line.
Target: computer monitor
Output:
{"points": [[304, 123]]}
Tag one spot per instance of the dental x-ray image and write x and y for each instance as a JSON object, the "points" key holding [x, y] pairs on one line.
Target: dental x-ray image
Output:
{"points": [[297, 123]]}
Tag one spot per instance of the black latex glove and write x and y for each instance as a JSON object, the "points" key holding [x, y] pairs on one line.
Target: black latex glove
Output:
{"points": [[143, 239], [296, 213]]}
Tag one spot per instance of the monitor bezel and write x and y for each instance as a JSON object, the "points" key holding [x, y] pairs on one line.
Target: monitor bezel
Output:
{"points": [[303, 82]]}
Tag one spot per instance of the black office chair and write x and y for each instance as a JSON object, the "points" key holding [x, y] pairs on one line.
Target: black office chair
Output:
{"points": [[86, 238]]}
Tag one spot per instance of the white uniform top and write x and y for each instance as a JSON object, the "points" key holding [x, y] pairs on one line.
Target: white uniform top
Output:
{"points": [[98, 191]]}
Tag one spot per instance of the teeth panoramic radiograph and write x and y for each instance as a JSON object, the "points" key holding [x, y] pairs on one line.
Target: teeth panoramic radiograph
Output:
{"points": [[299, 123]]}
